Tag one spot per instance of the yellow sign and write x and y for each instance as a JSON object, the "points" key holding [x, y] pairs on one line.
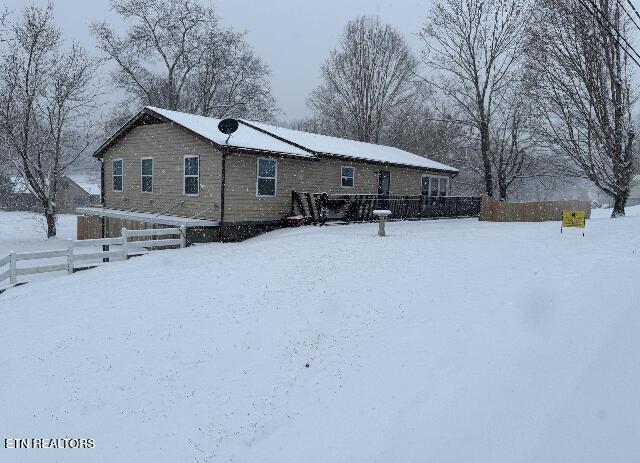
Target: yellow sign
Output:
{"points": [[573, 219]]}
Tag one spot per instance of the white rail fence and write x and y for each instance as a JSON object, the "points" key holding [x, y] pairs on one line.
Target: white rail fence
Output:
{"points": [[106, 255]]}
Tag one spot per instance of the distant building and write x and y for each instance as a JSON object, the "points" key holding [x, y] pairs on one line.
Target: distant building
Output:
{"points": [[75, 190], [634, 198]]}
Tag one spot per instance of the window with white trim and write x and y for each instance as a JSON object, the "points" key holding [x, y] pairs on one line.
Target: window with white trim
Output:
{"points": [[192, 175], [146, 175], [435, 186], [117, 173], [266, 177], [347, 174]]}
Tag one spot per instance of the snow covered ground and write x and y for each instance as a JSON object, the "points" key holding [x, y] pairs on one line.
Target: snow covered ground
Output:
{"points": [[448, 341], [26, 231]]}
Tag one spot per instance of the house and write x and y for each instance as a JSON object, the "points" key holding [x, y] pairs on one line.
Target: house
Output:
{"points": [[169, 168], [634, 197], [74, 190], [17, 197], [77, 190]]}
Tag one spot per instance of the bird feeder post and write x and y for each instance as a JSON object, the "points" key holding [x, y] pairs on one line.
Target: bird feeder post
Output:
{"points": [[382, 214]]}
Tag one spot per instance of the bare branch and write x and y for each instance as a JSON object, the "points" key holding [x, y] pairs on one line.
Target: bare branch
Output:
{"points": [[365, 79]]}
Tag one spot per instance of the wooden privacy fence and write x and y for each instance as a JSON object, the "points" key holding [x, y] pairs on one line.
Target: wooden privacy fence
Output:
{"points": [[90, 227], [143, 238], [359, 208], [540, 211]]}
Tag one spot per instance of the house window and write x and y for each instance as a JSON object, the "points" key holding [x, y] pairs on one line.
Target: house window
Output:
{"points": [[192, 175], [347, 174], [117, 175], [435, 186], [425, 185], [146, 171], [443, 186], [267, 175]]}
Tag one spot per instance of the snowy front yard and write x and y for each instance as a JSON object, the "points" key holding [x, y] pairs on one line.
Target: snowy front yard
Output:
{"points": [[449, 341], [26, 231]]}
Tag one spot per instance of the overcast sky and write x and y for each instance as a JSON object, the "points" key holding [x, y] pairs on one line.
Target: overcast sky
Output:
{"points": [[293, 36]]}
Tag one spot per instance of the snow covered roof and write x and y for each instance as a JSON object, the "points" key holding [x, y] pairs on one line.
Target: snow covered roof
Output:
{"points": [[257, 136], [89, 183], [342, 147], [244, 137]]}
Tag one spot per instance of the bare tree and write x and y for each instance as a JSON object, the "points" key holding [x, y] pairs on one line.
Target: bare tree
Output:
{"points": [[420, 126], [230, 80], [4, 13], [176, 55], [46, 99], [6, 186], [508, 155], [515, 152], [472, 47], [583, 91], [366, 78], [308, 124]]}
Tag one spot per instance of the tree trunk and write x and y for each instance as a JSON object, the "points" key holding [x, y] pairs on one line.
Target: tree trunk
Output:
{"points": [[50, 217], [502, 191], [486, 159], [619, 202]]}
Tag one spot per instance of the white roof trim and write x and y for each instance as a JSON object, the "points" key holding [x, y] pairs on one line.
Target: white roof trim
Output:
{"points": [[146, 217]]}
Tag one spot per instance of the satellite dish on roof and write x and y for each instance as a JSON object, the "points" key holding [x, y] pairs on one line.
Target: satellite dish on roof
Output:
{"points": [[228, 126]]}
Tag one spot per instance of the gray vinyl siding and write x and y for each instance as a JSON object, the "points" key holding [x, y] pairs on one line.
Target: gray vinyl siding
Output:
{"points": [[314, 176], [404, 181], [167, 145], [240, 195], [70, 197]]}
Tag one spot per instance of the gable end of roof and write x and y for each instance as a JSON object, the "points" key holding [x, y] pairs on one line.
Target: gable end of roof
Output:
{"points": [[145, 116]]}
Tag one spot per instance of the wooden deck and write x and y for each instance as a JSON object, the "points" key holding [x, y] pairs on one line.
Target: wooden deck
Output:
{"points": [[359, 208]]}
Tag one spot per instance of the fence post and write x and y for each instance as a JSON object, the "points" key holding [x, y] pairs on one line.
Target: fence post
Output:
{"points": [[125, 244], [70, 257], [12, 267], [293, 201], [183, 236]]}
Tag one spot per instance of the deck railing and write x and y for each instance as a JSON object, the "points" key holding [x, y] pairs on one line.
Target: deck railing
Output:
{"points": [[359, 208]]}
